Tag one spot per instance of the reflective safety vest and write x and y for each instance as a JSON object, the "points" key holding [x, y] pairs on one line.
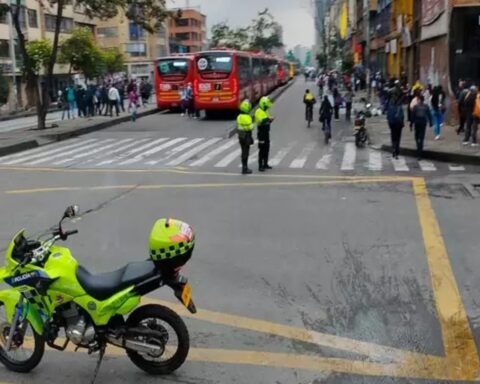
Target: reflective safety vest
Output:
{"points": [[309, 97], [261, 116], [244, 122]]}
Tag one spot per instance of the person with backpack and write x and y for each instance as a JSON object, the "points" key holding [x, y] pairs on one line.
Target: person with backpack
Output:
{"points": [[470, 104], [438, 110], [420, 116], [395, 117], [326, 110]]}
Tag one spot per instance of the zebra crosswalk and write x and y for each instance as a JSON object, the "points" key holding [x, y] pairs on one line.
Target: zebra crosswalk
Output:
{"points": [[214, 153]]}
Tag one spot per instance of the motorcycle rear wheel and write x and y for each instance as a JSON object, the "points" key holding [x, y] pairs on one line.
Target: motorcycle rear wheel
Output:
{"points": [[149, 313], [19, 366]]}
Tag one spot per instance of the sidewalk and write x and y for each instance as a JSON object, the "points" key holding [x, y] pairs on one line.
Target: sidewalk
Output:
{"points": [[22, 139], [449, 148]]}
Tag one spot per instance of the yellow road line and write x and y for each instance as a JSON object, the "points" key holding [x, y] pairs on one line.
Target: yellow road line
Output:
{"points": [[183, 171], [195, 185], [371, 350], [460, 348]]}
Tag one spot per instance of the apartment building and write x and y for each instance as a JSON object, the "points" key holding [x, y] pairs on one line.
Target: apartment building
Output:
{"points": [[139, 46], [188, 33]]}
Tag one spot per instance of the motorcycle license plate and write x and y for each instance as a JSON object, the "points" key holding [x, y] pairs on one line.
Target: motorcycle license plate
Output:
{"points": [[186, 295]]}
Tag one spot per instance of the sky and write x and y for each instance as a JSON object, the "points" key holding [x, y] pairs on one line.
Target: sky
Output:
{"points": [[295, 16]]}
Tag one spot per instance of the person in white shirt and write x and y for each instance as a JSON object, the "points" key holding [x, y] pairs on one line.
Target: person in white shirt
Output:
{"points": [[113, 100]]}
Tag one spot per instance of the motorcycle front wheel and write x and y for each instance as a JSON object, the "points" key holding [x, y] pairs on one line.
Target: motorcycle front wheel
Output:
{"points": [[169, 332], [27, 346]]}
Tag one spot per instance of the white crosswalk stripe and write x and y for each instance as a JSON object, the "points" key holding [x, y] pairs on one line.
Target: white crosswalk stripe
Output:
{"points": [[90, 153], [68, 153], [300, 161], [324, 162], [186, 156], [374, 160], [228, 159], [400, 164], [48, 150], [212, 154], [218, 153], [154, 150], [349, 156], [169, 154], [427, 166], [280, 155], [456, 168]]}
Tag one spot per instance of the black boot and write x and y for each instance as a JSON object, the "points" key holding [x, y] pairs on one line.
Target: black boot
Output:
{"points": [[246, 171]]}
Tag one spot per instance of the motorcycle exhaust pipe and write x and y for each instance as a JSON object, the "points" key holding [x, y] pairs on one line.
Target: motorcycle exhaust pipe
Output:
{"points": [[137, 346]]}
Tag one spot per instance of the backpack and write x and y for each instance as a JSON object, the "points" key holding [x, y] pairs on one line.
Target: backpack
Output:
{"points": [[476, 108]]}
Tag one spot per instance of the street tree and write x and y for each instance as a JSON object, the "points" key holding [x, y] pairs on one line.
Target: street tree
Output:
{"points": [[113, 60], [81, 53], [265, 32], [224, 36], [149, 14]]}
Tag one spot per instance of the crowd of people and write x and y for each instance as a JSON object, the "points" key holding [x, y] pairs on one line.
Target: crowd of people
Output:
{"points": [[103, 99]]}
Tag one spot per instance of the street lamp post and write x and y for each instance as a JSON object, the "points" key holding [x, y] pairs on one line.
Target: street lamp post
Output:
{"points": [[366, 16]]}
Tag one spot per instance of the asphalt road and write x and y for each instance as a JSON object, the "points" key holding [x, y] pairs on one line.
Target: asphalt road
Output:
{"points": [[302, 275]]}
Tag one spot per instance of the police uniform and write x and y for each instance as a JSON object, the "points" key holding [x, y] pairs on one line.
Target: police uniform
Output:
{"points": [[245, 128], [263, 120]]}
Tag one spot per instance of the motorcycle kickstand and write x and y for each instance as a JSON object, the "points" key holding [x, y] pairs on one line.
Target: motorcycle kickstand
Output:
{"points": [[99, 362]]}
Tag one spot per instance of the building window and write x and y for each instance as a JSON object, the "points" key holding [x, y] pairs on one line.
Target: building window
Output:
{"points": [[183, 36], [107, 32], [136, 49], [140, 69], [4, 49], [65, 26], [21, 16], [32, 18], [181, 22], [90, 27], [135, 32]]}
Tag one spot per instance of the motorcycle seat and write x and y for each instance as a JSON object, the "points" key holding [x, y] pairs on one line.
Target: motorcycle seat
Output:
{"points": [[104, 285]]}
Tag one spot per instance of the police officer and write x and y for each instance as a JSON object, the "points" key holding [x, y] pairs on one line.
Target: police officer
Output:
{"points": [[263, 121], [245, 128]]}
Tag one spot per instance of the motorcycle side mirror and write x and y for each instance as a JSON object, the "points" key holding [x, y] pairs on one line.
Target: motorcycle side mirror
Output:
{"points": [[71, 212]]}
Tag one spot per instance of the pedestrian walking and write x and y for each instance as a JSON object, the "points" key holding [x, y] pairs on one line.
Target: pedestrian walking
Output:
{"points": [[420, 116], [462, 115], [438, 110], [245, 137], [183, 101], [145, 91], [80, 100], [89, 100], [121, 94], [348, 103], [65, 104], [326, 111], [104, 99], [263, 121], [189, 101], [113, 98], [70, 91], [395, 118], [133, 103], [337, 100], [472, 108]]}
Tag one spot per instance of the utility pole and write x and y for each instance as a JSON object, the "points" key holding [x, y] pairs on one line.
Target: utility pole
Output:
{"points": [[12, 58], [366, 17]]}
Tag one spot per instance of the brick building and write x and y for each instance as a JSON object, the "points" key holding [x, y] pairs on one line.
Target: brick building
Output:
{"points": [[188, 31]]}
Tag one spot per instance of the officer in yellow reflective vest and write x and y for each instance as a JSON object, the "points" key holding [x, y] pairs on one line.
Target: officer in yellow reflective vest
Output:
{"points": [[245, 138], [263, 121]]}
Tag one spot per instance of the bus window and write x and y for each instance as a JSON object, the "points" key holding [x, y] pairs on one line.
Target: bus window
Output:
{"points": [[243, 64], [173, 67], [214, 63]]}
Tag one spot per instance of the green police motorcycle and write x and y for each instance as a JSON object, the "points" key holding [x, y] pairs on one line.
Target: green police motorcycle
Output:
{"points": [[55, 301]]}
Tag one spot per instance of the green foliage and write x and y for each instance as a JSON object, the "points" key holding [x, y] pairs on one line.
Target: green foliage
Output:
{"points": [[263, 34], [82, 53], [4, 89], [39, 52], [113, 60]]}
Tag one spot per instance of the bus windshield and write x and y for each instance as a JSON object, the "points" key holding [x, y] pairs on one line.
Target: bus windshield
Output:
{"points": [[215, 62], [177, 68]]}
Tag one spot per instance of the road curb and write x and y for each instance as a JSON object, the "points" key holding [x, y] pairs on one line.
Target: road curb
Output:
{"points": [[23, 146], [274, 96], [457, 158], [98, 127]]}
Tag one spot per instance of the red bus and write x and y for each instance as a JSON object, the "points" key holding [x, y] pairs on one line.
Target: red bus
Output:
{"points": [[172, 73], [222, 79], [264, 69], [283, 72]]}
